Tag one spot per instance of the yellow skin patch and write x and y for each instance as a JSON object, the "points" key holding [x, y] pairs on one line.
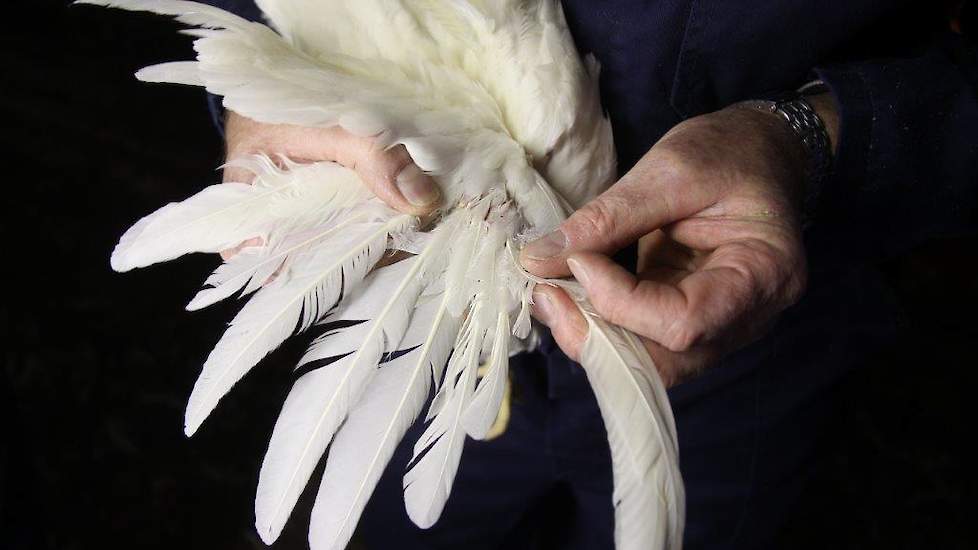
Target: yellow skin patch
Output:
{"points": [[502, 419]]}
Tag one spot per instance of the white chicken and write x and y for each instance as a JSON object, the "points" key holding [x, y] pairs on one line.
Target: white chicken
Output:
{"points": [[491, 99]]}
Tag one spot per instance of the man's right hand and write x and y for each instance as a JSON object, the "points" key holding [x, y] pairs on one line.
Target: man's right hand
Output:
{"points": [[389, 173]]}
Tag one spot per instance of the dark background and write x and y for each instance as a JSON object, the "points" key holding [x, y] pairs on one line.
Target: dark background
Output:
{"points": [[97, 365]]}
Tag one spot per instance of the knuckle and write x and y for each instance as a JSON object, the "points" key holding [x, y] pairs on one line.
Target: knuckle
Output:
{"points": [[598, 218], [684, 332], [780, 275], [757, 269], [386, 164], [797, 279], [674, 165], [754, 278], [594, 218], [396, 158]]}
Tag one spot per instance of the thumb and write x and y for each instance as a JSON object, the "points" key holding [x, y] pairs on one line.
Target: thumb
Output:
{"points": [[388, 171], [394, 177], [628, 210]]}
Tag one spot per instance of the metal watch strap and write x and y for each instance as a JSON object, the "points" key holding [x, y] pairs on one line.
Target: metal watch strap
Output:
{"points": [[805, 123]]}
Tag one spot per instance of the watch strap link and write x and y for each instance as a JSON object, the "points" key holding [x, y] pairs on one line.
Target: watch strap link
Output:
{"points": [[799, 115]]}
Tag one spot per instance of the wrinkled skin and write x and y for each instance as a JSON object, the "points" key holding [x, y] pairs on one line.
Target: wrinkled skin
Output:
{"points": [[714, 207], [389, 173]]}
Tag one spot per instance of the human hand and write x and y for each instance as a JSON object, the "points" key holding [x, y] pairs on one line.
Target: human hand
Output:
{"points": [[390, 173], [714, 208]]}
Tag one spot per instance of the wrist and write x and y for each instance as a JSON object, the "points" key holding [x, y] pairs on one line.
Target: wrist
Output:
{"points": [[827, 110], [771, 141], [810, 122]]}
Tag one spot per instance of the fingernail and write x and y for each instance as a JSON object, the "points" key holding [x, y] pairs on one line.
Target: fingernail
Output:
{"points": [[543, 308], [547, 246], [416, 186], [577, 269]]}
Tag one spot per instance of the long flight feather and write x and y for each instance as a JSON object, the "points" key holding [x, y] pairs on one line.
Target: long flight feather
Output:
{"points": [[215, 219], [366, 442], [428, 481], [223, 215], [277, 312], [493, 102], [482, 411], [648, 489], [307, 424], [252, 268]]}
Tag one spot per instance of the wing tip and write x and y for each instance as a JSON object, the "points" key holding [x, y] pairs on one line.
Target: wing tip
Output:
{"points": [[119, 263], [267, 532], [191, 423], [149, 75], [424, 521], [196, 303]]}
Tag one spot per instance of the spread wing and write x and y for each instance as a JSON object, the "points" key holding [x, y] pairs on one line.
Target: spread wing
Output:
{"points": [[491, 99]]}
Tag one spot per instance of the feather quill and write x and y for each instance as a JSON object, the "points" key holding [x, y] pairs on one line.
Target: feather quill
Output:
{"points": [[480, 414], [428, 481], [492, 101], [308, 421], [648, 491], [366, 442], [275, 313]]}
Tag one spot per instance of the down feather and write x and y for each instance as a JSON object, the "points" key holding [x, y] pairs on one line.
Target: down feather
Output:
{"points": [[492, 100]]}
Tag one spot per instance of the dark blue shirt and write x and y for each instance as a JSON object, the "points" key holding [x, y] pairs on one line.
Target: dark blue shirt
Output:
{"points": [[906, 171], [908, 163]]}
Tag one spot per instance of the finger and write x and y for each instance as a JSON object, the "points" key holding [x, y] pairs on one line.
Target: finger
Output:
{"points": [[388, 172], [396, 179], [645, 199], [644, 307], [704, 307], [554, 308], [674, 367], [237, 174]]}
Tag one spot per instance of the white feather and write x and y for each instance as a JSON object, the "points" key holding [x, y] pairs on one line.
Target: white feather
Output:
{"points": [[190, 13], [221, 216], [256, 266], [217, 218], [428, 480], [489, 98], [276, 312], [648, 487], [482, 411], [366, 441], [307, 424]]}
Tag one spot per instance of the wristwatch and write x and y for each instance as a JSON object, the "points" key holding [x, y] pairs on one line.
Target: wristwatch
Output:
{"points": [[801, 117]]}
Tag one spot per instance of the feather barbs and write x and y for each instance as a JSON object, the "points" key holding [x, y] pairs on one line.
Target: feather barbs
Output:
{"points": [[492, 101]]}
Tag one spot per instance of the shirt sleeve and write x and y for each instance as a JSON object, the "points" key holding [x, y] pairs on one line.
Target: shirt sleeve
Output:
{"points": [[907, 163], [242, 8]]}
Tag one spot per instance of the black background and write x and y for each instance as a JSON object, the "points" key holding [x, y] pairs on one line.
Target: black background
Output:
{"points": [[97, 365]]}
